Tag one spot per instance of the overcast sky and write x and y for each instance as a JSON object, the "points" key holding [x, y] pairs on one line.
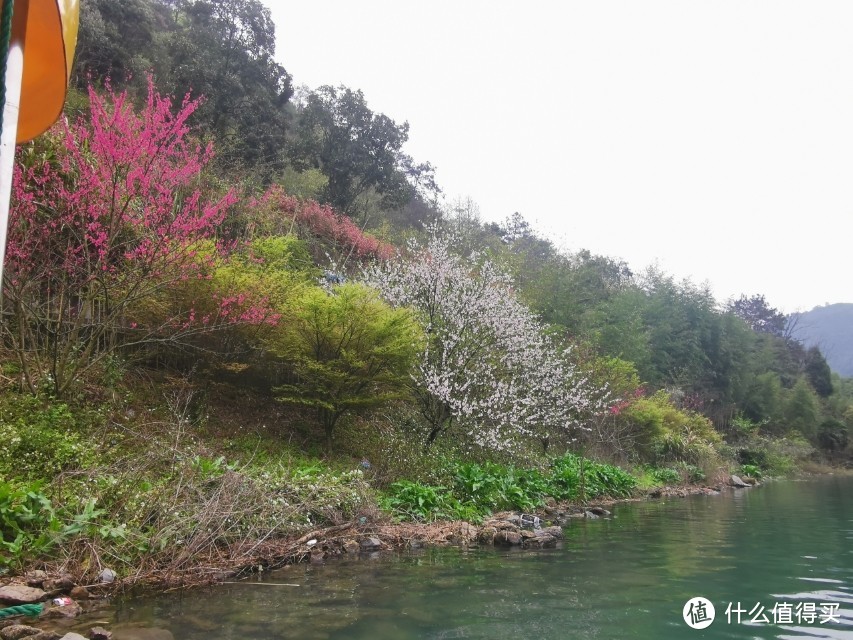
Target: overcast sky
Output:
{"points": [[712, 138]]}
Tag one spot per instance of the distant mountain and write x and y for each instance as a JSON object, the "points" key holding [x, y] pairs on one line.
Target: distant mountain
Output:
{"points": [[830, 328]]}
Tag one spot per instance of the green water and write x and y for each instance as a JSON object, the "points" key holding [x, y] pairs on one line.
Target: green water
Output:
{"points": [[628, 576]]}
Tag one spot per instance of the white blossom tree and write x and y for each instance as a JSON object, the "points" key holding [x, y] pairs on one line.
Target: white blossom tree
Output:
{"points": [[489, 368]]}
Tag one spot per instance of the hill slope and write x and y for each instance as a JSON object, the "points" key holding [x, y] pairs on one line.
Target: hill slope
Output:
{"points": [[831, 329]]}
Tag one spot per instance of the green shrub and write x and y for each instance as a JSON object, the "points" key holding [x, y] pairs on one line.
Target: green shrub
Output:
{"points": [[751, 471], [497, 487], [683, 448], [576, 478], [693, 473], [666, 434], [743, 427], [29, 525], [774, 456], [415, 501], [665, 475], [349, 352], [833, 435], [38, 439], [754, 457]]}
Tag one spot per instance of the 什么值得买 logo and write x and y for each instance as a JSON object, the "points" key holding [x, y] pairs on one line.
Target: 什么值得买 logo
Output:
{"points": [[698, 612]]}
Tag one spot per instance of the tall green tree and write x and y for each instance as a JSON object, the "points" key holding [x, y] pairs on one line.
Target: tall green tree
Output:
{"points": [[678, 317], [802, 409], [833, 435], [224, 49], [763, 401], [759, 315], [119, 40], [359, 151], [818, 372], [220, 49]]}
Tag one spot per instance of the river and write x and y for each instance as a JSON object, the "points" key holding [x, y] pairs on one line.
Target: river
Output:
{"points": [[782, 552]]}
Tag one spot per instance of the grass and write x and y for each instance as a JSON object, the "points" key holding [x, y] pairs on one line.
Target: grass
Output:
{"points": [[480, 489], [155, 483]]}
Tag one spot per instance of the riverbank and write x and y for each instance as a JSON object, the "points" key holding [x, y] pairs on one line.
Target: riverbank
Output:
{"points": [[355, 539], [535, 530], [128, 494], [637, 566]]}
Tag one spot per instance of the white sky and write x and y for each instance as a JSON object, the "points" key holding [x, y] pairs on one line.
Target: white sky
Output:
{"points": [[714, 138]]}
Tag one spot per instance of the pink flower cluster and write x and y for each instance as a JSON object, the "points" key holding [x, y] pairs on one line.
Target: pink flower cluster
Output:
{"points": [[323, 222], [118, 198], [112, 211], [618, 407]]}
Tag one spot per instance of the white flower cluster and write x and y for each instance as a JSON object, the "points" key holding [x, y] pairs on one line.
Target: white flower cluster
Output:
{"points": [[488, 365]]}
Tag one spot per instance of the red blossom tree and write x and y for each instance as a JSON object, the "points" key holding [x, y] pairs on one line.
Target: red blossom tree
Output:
{"points": [[107, 216], [280, 213]]}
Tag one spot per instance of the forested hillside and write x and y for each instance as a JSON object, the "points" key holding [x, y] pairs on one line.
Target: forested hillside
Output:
{"points": [[829, 328], [241, 292]]}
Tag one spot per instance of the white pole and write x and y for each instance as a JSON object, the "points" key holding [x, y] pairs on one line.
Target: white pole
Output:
{"points": [[14, 73]]}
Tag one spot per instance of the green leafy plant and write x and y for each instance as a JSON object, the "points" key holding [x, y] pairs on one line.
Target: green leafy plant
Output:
{"points": [[495, 487], [29, 524], [210, 468], [415, 501], [576, 478], [665, 475], [37, 439], [751, 471]]}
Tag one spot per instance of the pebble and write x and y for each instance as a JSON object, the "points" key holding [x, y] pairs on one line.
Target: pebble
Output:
{"points": [[79, 593], [370, 544], [18, 631], [507, 537], [99, 633], [106, 576], [21, 594]]}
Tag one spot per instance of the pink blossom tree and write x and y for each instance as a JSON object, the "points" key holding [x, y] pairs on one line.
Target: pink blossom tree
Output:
{"points": [[275, 212], [107, 216], [489, 368]]}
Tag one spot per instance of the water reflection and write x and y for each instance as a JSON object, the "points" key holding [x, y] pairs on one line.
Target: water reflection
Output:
{"points": [[624, 577]]}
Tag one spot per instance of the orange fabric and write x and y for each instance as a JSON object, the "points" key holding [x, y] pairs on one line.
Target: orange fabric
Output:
{"points": [[51, 35]]}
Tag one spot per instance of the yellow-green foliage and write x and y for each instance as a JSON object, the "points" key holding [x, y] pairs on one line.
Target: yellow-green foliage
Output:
{"points": [[665, 433], [306, 185], [619, 375], [269, 272], [276, 269], [348, 350], [282, 253]]}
